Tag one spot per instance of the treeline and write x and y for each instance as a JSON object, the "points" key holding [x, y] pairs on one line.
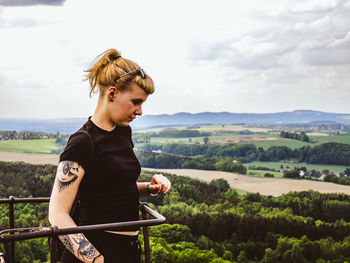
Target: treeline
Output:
{"points": [[170, 161], [27, 135], [23, 179], [173, 133], [296, 136], [141, 137], [327, 153]]}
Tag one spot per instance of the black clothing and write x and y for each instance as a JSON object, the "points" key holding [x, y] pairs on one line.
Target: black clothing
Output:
{"points": [[115, 248], [108, 191]]}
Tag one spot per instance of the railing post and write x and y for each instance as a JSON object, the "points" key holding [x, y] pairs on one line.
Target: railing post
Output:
{"points": [[7, 251], [53, 245], [146, 239], [11, 255]]}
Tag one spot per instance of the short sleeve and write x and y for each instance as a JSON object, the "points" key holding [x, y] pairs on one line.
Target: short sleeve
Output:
{"points": [[78, 149]]}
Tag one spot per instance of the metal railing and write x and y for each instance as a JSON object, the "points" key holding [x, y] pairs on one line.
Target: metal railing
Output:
{"points": [[9, 236]]}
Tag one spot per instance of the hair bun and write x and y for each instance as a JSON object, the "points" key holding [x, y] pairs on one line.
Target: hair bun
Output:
{"points": [[113, 56]]}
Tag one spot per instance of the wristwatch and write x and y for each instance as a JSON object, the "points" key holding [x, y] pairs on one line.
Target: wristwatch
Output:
{"points": [[149, 190]]}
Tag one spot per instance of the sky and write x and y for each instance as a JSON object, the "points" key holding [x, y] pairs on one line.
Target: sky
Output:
{"points": [[258, 56]]}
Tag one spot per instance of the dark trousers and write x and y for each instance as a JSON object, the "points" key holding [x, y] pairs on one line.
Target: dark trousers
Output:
{"points": [[115, 248]]}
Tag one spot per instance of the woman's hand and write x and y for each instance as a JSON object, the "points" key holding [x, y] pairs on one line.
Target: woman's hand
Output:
{"points": [[99, 259], [159, 184]]}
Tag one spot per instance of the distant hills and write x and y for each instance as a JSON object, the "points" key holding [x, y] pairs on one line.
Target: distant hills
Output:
{"points": [[69, 125]]}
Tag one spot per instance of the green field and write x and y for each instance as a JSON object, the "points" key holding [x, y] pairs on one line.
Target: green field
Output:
{"points": [[341, 138], [261, 173], [309, 167], [41, 146], [293, 144], [239, 191]]}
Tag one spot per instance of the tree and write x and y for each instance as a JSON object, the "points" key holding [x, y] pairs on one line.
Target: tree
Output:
{"points": [[205, 140], [291, 174], [347, 171], [220, 184], [242, 257]]}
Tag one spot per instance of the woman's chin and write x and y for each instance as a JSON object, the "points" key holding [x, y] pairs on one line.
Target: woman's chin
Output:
{"points": [[123, 123]]}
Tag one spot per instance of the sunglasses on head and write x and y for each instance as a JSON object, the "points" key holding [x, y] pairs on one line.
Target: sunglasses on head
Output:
{"points": [[138, 70]]}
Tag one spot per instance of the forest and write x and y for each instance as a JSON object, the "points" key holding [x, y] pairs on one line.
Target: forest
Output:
{"points": [[326, 153], [206, 222]]}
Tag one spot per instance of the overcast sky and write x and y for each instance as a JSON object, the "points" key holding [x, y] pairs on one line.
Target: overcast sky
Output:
{"points": [[237, 56]]}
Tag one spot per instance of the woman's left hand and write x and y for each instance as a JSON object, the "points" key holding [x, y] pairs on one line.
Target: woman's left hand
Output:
{"points": [[159, 184]]}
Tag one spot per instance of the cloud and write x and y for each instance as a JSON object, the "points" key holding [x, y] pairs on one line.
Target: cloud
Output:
{"points": [[263, 56], [30, 2], [319, 6], [314, 32]]}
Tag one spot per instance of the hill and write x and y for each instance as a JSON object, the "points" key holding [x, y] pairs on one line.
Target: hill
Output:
{"points": [[69, 125]]}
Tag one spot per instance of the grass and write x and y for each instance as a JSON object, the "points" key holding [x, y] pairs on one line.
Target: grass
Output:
{"points": [[262, 173], [40, 146], [309, 167], [293, 144], [240, 192], [339, 138]]}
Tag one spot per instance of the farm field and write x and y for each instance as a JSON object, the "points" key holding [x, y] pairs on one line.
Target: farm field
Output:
{"points": [[221, 134], [213, 139], [264, 141], [40, 146], [208, 128], [339, 138], [29, 158], [264, 186], [317, 167]]}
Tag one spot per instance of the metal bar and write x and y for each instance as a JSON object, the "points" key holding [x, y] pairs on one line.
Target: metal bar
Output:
{"points": [[53, 246], [25, 200], [12, 225], [7, 251], [40, 232], [47, 231], [146, 239]]}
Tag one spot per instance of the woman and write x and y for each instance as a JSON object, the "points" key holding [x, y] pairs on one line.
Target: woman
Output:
{"points": [[99, 161]]}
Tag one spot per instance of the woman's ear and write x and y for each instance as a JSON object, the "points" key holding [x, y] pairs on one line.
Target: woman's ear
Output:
{"points": [[112, 91]]}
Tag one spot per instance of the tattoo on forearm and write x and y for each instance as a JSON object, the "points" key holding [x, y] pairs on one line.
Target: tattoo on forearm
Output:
{"points": [[67, 174], [67, 243], [85, 249]]}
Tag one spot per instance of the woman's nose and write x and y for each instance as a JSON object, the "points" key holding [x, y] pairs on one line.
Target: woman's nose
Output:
{"points": [[138, 110]]}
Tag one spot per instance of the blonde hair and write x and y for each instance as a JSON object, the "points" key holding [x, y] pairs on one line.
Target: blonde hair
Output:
{"points": [[111, 65]]}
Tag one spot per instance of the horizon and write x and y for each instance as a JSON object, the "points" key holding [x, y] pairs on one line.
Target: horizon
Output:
{"points": [[171, 114]]}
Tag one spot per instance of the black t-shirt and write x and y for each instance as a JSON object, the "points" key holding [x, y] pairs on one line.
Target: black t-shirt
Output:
{"points": [[108, 192]]}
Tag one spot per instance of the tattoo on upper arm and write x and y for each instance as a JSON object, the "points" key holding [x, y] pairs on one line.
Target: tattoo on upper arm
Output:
{"points": [[67, 174], [85, 249]]}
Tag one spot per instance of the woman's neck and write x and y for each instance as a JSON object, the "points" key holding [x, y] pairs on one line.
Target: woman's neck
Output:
{"points": [[100, 118]]}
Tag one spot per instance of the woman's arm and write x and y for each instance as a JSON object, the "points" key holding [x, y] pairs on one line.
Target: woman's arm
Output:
{"points": [[68, 177], [158, 185]]}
